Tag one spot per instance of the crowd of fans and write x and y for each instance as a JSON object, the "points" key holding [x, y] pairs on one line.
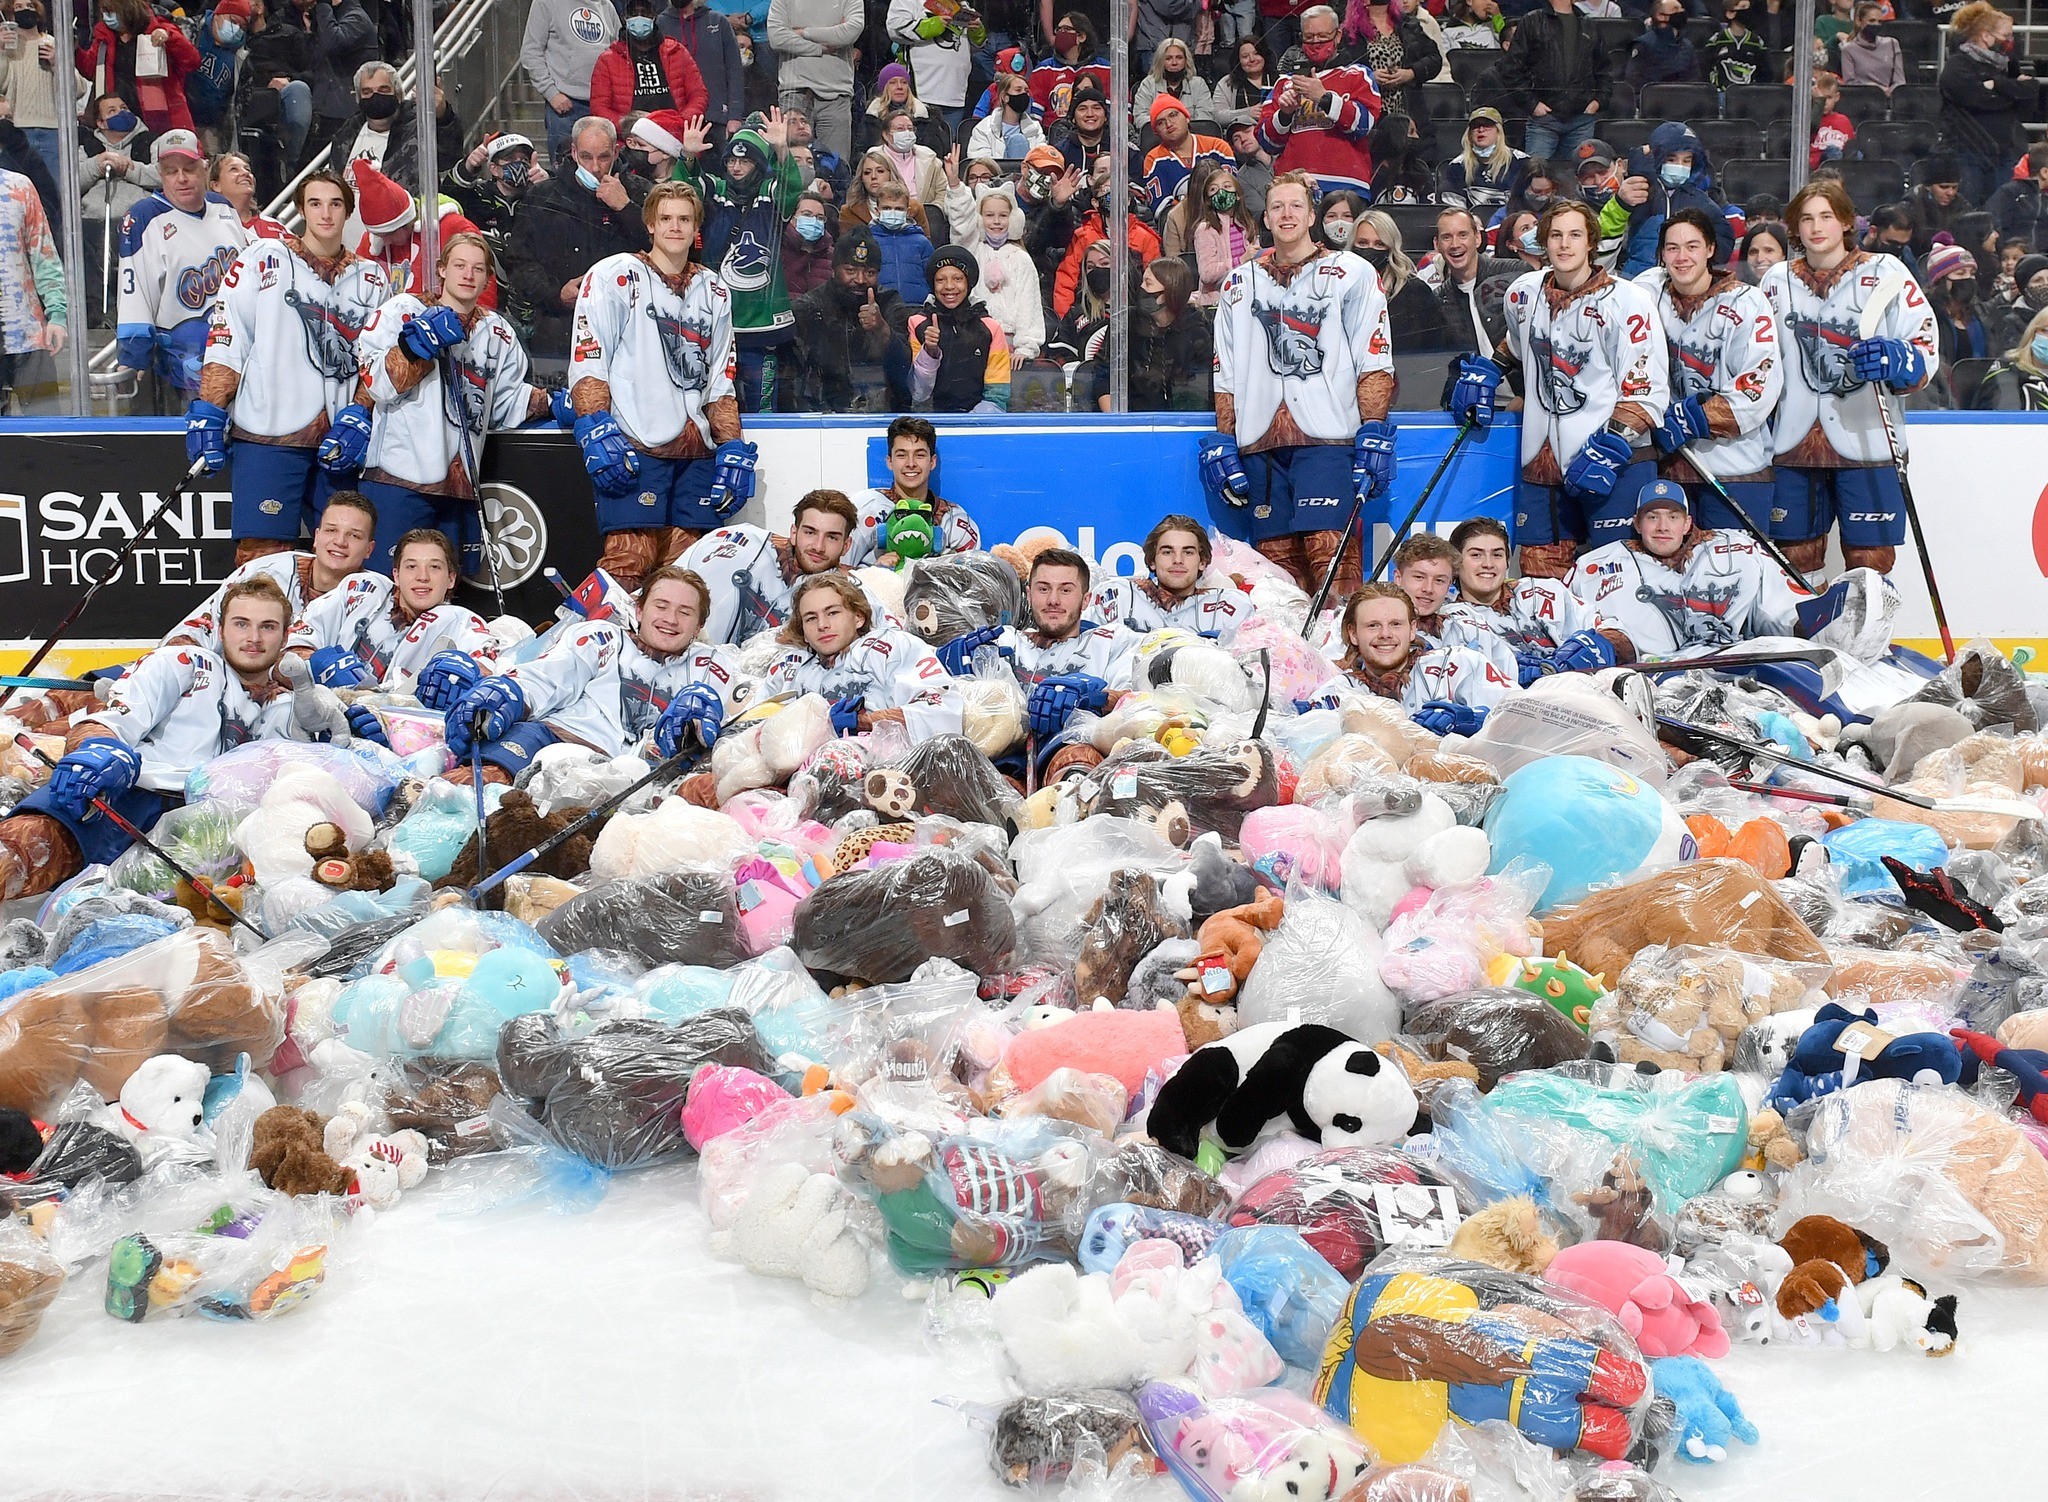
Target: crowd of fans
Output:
{"points": [[910, 199]]}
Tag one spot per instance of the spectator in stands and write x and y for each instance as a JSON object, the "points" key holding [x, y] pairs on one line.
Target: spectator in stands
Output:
{"points": [[960, 358], [1168, 165], [1008, 61], [1171, 351], [1154, 24], [1557, 62], [817, 160], [1010, 130], [1092, 227], [115, 173], [1173, 72], [567, 225], [749, 22], [1087, 133], [747, 206], [1764, 244], [1735, 55], [876, 173], [1384, 36], [893, 91], [1076, 54], [815, 41], [1241, 93], [563, 41], [491, 182], [1662, 54], [19, 156], [33, 310], [233, 177], [1518, 237], [807, 245], [1087, 319], [713, 45], [1681, 178], [1950, 279], [963, 195], [1776, 23], [852, 348], [1487, 171], [904, 247], [383, 130], [221, 36], [644, 70], [2019, 382], [1868, 55], [1543, 184], [1008, 278], [2028, 297], [1937, 203], [1984, 98], [2017, 209], [651, 146], [940, 49], [108, 58], [1890, 232], [275, 86], [28, 84], [1472, 285], [1254, 167], [915, 163], [341, 37], [1415, 321], [1220, 231], [1474, 26], [1832, 130], [1400, 171], [1337, 219], [1319, 121]]}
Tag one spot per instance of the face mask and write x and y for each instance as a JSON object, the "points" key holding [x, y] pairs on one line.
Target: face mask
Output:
{"points": [[583, 176], [1376, 256], [1037, 184], [1065, 37], [1538, 201], [1174, 73], [1019, 102], [639, 28], [230, 35], [1675, 174], [1098, 280], [1528, 242], [1223, 200], [892, 218], [1962, 289], [517, 173], [637, 161], [1337, 233], [2039, 349], [380, 106], [810, 227], [110, 20], [27, 20], [903, 140], [1869, 33], [997, 238], [1319, 53], [121, 122], [1145, 304], [2036, 297]]}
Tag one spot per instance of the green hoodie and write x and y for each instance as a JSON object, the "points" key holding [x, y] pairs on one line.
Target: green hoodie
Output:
{"points": [[743, 237]]}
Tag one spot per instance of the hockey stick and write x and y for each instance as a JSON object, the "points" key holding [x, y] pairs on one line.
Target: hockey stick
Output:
{"points": [[114, 571], [450, 376], [1867, 326], [8, 680], [476, 782], [674, 766], [1749, 525], [1785, 758], [1822, 660], [202, 887]]}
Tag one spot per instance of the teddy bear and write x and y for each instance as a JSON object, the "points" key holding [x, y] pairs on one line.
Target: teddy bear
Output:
{"points": [[1344, 764], [1329, 1087], [1771, 1144], [1137, 1172], [1389, 856], [445, 1101], [799, 1224], [383, 1164], [515, 826], [1230, 944], [162, 1110], [30, 1280], [210, 908], [289, 1154], [770, 742], [1210, 788], [1498, 1030], [334, 866], [1724, 903], [1637, 1288], [1623, 1206], [273, 835], [1126, 923], [1674, 1010], [947, 774], [688, 917], [879, 925], [955, 593], [1040, 1439], [1507, 1234]]}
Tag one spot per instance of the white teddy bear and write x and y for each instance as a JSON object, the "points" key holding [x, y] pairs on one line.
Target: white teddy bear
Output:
{"points": [[273, 835], [1390, 855], [384, 1165], [677, 833], [162, 1111], [797, 1224]]}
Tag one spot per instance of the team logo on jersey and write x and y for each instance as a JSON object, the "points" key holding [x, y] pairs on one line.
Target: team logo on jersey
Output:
{"points": [[1692, 368], [1824, 355], [1557, 368], [686, 346], [1697, 614], [198, 285], [463, 402], [587, 25], [1750, 383], [330, 343], [1291, 335], [748, 263]]}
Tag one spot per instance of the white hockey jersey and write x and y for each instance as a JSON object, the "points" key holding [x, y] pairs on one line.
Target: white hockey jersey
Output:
{"points": [[1598, 350], [1141, 606], [1727, 348], [413, 437], [666, 354], [1105, 652], [751, 574], [599, 686], [361, 615], [957, 532], [1457, 675], [290, 335], [182, 706], [1530, 613], [172, 267], [290, 572], [1303, 345], [1727, 591], [1821, 386], [886, 669]]}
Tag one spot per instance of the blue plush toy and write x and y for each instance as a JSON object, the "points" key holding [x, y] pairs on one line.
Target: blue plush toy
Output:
{"points": [[1590, 823], [1817, 1067], [1708, 1416]]}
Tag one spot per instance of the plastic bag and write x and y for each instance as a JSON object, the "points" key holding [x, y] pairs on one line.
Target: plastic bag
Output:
{"points": [[1288, 1289], [1251, 1444], [239, 778], [522, 1166], [1063, 870], [1112, 1230], [688, 917], [798, 1129], [1321, 966], [759, 753], [946, 774], [1856, 852], [1352, 1203], [881, 924], [1498, 1030], [1143, 1173], [1717, 902], [440, 822], [1452, 942], [1207, 789], [1568, 719], [445, 1101], [949, 595], [677, 835], [1984, 685], [199, 836], [1684, 1007], [1039, 1439], [256, 1256], [30, 1279]]}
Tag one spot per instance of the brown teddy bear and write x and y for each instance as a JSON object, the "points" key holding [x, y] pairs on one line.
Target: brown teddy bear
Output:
{"points": [[30, 1280], [1622, 1206], [1507, 1234], [1684, 1007], [1771, 1144], [1126, 923], [445, 1102], [515, 826], [1724, 903], [128, 1027], [334, 866], [290, 1157], [217, 1011], [881, 924], [205, 911], [1232, 942], [44, 1039]]}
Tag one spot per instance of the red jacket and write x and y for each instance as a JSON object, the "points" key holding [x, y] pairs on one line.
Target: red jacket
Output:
{"points": [[611, 81], [1332, 145], [1067, 280], [160, 101]]}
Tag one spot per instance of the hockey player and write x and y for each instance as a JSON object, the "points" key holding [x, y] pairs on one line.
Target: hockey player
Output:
{"points": [[383, 629], [870, 673], [1304, 375], [906, 507], [1443, 689], [1674, 587], [341, 549], [282, 354], [750, 571], [651, 378], [1546, 627], [1177, 549], [1833, 462], [405, 428], [176, 248], [609, 688], [179, 707], [1588, 349], [1726, 374]]}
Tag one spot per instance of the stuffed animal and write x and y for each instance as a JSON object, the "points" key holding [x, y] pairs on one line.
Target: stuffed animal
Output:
{"points": [[1210, 883], [1898, 1312], [1126, 923], [1352, 1203], [517, 825], [1828, 1257], [1499, 1031], [1384, 858], [1507, 1234], [798, 1224], [445, 1101], [770, 742], [2027, 1065], [290, 1155], [1042, 1439], [1724, 903], [1209, 789], [1328, 1087], [1252, 1447], [1569, 988], [1639, 1290], [334, 866], [163, 1105], [947, 774], [1591, 823], [1126, 1045], [1685, 1007], [1231, 942], [1771, 1143], [879, 925], [688, 917], [950, 595], [1843, 1047], [1622, 1205], [1706, 1416], [383, 1165], [30, 1280], [273, 836], [1759, 843]]}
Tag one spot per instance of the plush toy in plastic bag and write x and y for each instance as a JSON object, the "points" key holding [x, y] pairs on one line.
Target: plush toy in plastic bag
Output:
{"points": [[1092, 1431], [30, 1279], [1498, 1030], [1322, 966], [1684, 1007], [947, 774], [1063, 870], [198, 836], [1288, 1289], [1574, 715], [1267, 1446], [1450, 943], [1207, 789], [879, 925], [240, 778], [435, 829], [1352, 1203], [1591, 823], [950, 595], [763, 751], [255, 1257], [686, 916], [1701, 902], [1425, 1339]]}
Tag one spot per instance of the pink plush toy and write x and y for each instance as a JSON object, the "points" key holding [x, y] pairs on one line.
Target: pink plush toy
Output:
{"points": [[1299, 670], [722, 1099], [1295, 839], [1128, 1045], [768, 897], [1639, 1290]]}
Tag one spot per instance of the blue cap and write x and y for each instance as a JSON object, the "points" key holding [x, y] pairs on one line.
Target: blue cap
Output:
{"points": [[1662, 493]]}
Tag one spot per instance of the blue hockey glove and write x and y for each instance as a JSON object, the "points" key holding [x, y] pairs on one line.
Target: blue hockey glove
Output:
{"points": [[1598, 467], [347, 443], [337, 667], [698, 711], [1054, 700], [1468, 393], [733, 486], [206, 436], [1442, 717], [562, 409], [445, 679], [1532, 663], [846, 716], [427, 333], [487, 713], [364, 725], [957, 655], [1584, 652], [1685, 421], [1223, 473], [606, 454], [1895, 362], [102, 767], [1372, 459]]}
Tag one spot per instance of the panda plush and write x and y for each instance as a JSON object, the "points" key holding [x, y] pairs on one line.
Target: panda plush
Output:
{"points": [[1275, 1077]]}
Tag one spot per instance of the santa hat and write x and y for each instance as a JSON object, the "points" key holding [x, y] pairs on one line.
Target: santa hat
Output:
{"points": [[383, 206], [663, 131]]}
